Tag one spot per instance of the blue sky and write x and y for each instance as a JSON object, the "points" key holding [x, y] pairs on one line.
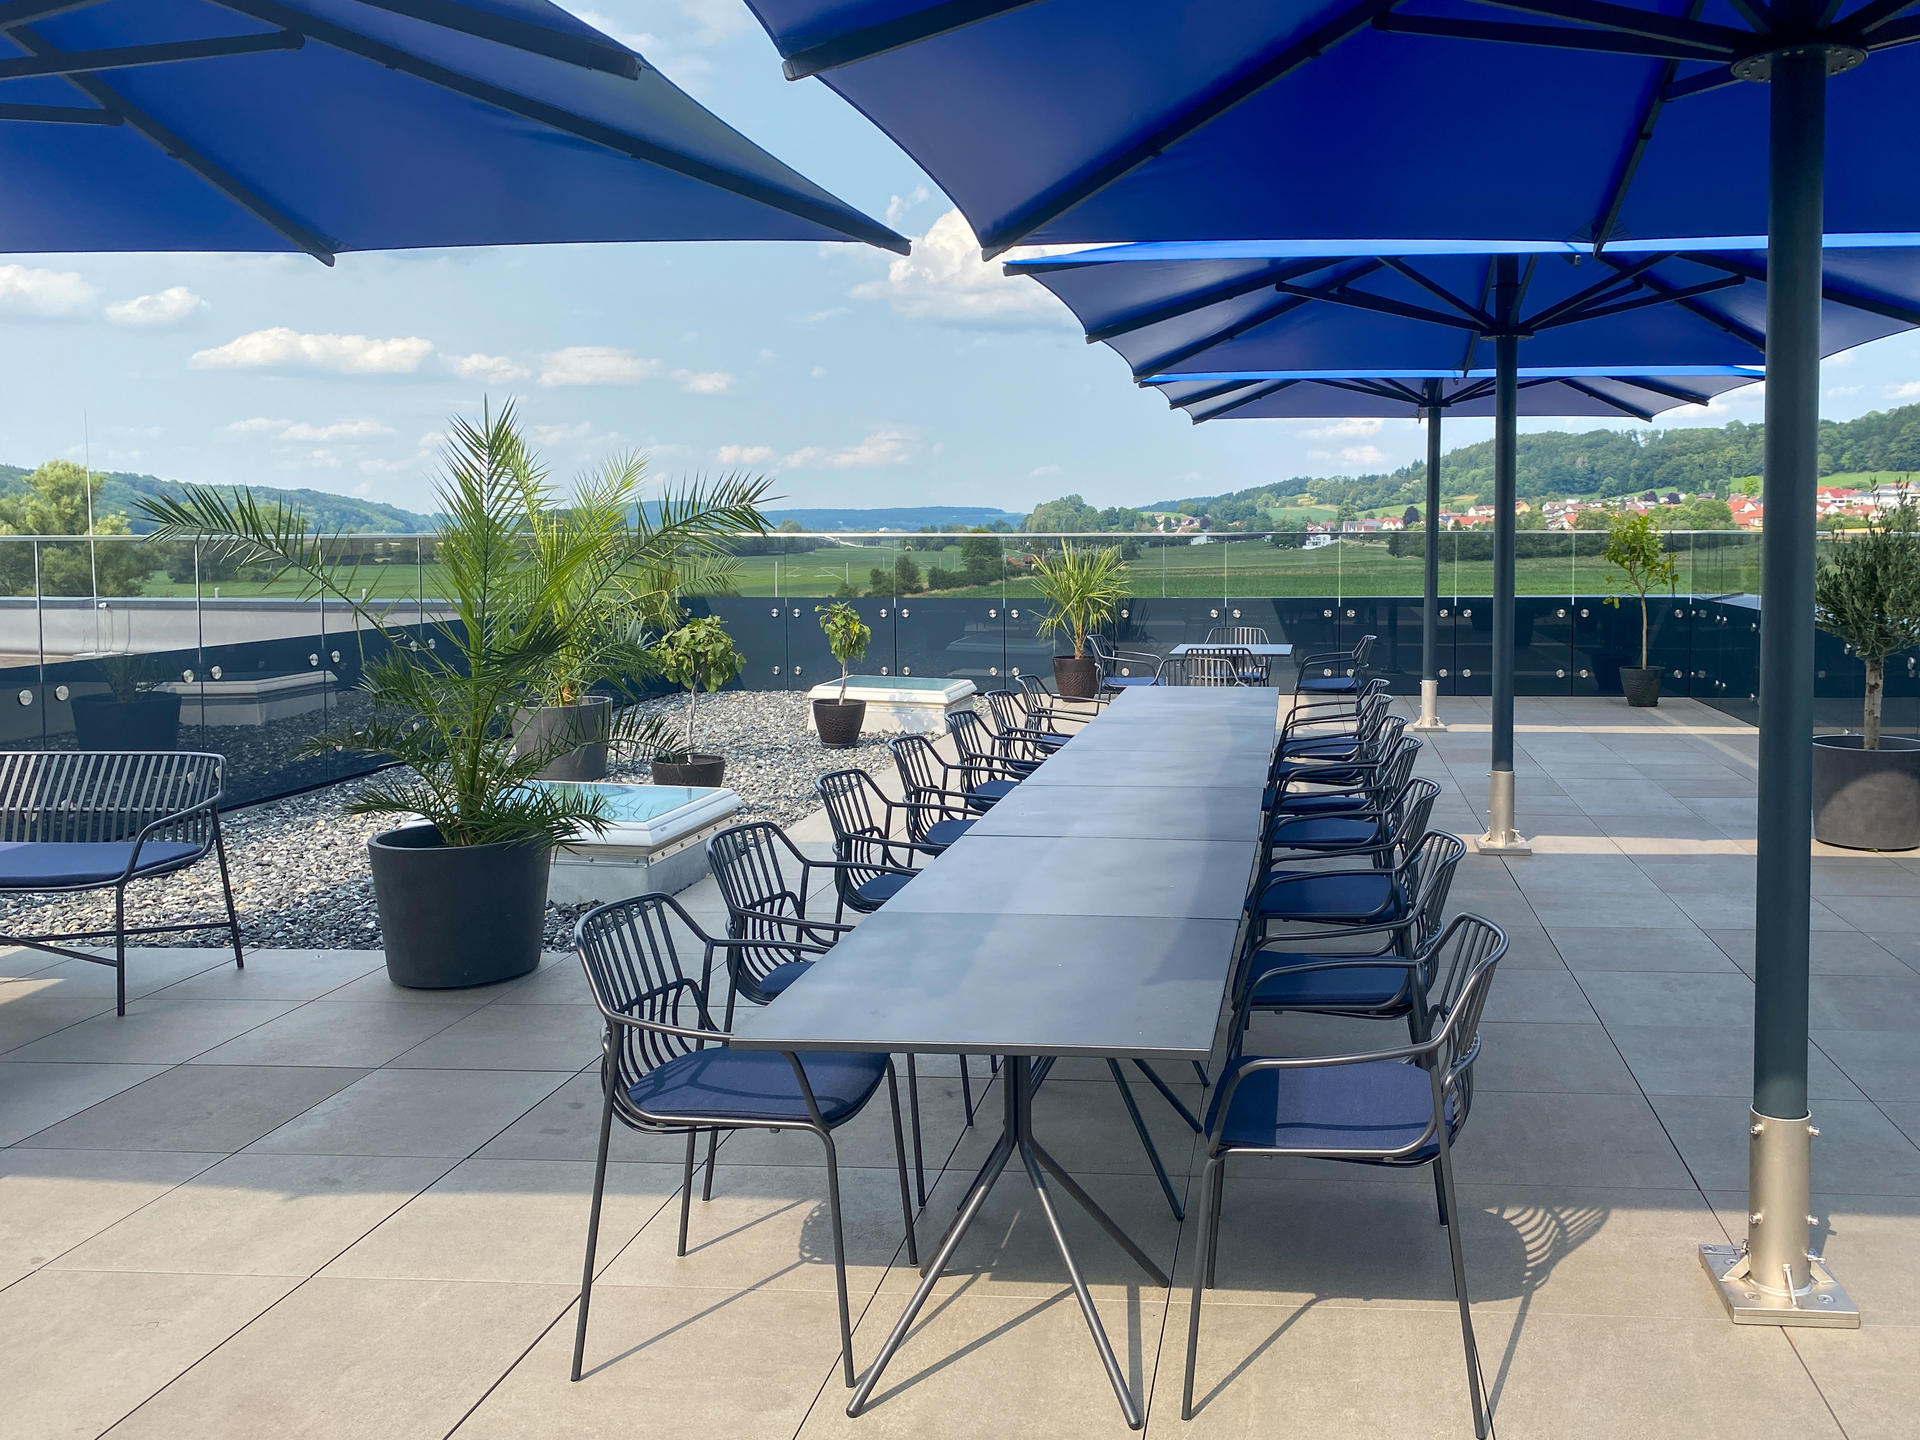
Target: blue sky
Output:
{"points": [[854, 377]]}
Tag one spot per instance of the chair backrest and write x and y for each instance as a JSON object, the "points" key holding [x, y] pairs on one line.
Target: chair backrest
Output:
{"points": [[1238, 635], [74, 796], [1460, 962], [758, 869], [1035, 689], [1407, 815], [1010, 715], [856, 808], [980, 754], [1216, 665], [1401, 751], [921, 771], [1362, 653], [632, 953], [1426, 876]]}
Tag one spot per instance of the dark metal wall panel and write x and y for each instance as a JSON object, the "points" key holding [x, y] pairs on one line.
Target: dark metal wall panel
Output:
{"points": [[810, 662], [760, 627], [1473, 645], [958, 639], [1542, 646]]}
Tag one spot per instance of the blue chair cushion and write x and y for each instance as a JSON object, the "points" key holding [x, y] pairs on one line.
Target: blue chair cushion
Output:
{"points": [[881, 888], [945, 832], [1308, 803], [1121, 682], [1047, 740], [1349, 897], [33, 864], [1377, 1106], [1328, 684], [722, 1084], [1356, 987], [1325, 832], [781, 976], [1325, 747], [989, 792]]}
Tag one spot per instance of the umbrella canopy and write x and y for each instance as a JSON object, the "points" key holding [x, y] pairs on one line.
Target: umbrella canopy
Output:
{"points": [[1197, 308], [332, 125], [1341, 396], [1077, 120]]}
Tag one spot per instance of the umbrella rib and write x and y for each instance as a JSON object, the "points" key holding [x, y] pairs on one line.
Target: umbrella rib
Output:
{"points": [[1626, 20], [852, 46], [1643, 302], [58, 115], [1338, 294], [179, 149], [1202, 395], [1200, 300], [1837, 294], [1888, 36], [1605, 399], [1241, 86], [1650, 109], [1551, 37], [589, 54], [129, 57], [1259, 392], [1743, 333], [849, 223], [25, 12], [1663, 387], [1438, 291], [1624, 282], [1872, 16]]}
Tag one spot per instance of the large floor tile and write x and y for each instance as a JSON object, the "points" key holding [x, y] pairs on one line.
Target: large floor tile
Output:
{"points": [[1549, 997], [1712, 1060], [34, 1096], [155, 1031], [373, 1359], [1867, 1376], [566, 1126], [1575, 1059], [1829, 952], [1864, 875], [259, 1215], [80, 1349], [1608, 1141], [278, 975], [1627, 997], [331, 1032], [510, 1220], [1859, 1151], [1885, 1064], [198, 1107], [1864, 1002], [513, 1037], [1893, 913], [52, 1200], [414, 1112], [1671, 948], [27, 1014], [149, 969]]}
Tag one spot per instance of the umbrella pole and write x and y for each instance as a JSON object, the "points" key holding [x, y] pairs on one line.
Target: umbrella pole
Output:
{"points": [[1773, 1279], [1430, 611], [1501, 838]]}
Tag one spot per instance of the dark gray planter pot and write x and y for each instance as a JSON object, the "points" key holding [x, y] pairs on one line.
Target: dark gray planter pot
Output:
{"points": [[839, 722], [146, 722], [697, 769], [585, 727], [1641, 687], [1076, 679], [1866, 799], [457, 915]]}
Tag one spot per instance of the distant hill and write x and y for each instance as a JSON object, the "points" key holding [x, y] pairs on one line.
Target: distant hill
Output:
{"points": [[910, 517], [326, 510]]}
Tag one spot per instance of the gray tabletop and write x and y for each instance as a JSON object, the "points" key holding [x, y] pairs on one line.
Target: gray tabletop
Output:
{"points": [[1126, 812], [1264, 652], [1173, 765], [1087, 875]]}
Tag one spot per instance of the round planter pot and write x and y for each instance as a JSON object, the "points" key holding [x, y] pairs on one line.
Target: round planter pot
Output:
{"points": [[1641, 687], [707, 770], [1076, 679], [457, 915], [839, 722], [584, 727], [1866, 799], [146, 722]]}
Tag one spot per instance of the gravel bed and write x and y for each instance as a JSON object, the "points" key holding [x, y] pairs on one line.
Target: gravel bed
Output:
{"points": [[299, 865]]}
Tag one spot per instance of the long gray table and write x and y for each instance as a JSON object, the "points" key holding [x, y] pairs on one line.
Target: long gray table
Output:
{"points": [[1098, 935]]}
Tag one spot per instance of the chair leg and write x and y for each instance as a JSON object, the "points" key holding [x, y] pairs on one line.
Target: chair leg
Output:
{"points": [[1440, 1193], [913, 1104], [713, 1146], [686, 1191], [966, 1089], [120, 950], [1201, 1071], [1209, 1190], [1216, 1204], [900, 1163], [593, 1234], [840, 1261], [1444, 1168], [226, 889]]}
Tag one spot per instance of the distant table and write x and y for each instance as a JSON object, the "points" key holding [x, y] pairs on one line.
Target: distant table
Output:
{"points": [[1259, 652], [1093, 912]]}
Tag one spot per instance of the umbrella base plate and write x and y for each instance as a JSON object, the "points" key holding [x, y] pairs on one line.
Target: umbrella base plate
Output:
{"points": [[1823, 1305]]}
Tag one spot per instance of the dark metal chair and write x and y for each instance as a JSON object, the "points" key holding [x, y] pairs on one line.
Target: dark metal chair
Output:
{"points": [[936, 815], [1121, 669], [1340, 789], [874, 861], [73, 821], [1237, 635], [1015, 731], [1395, 1107], [767, 884], [1197, 669], [1248, 668], [667, 1069], [987, 777], [1382, 835], [1334, 673], [1374, 896]]}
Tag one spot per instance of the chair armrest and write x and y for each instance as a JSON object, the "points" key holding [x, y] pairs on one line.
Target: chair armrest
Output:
{"points": [[209, 806]]}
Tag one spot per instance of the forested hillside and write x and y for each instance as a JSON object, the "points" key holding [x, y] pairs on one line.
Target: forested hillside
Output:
{"points": [[327, 511]]}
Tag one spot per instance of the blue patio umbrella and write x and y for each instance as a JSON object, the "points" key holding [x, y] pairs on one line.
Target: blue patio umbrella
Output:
{"points": [[1133, 120], [333, 125], [1230, 310], [1337, 395]]}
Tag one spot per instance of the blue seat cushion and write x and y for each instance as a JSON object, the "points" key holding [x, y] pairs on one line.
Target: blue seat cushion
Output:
{"points": [[1325, 832], [32, 864], [1328, 684], [721, 1084], [1325, 747], [1351, 897], [881, 888], [1306, 802], [1047, 740], [1354, 987], [988, 792], [1378, 1105], [945, 832], [1121, 682], [781, 976]]}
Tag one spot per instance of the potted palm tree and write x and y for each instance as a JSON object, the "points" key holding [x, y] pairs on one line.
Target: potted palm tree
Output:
{"points": [[839, 721], [134, 714], [1636, 548], [697, 656], [461, 884], [1866, 787], [1085, 585]]}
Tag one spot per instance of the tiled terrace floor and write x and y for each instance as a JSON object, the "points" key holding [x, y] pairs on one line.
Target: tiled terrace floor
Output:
{"points": [[299, 1202]]}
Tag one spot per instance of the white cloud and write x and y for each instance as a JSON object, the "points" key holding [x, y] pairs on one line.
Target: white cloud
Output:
{"points": [[704, 382], [1363, 455], [45, 294], [1841, 392], [819, 372], [945, 279], [882, 447], [744, 454], [1041, 472], [1347, 429], [258, 425], [170, 306], [814, 317], [766, 354], [304, 433], [283, 349], [595, 365], [487, 369], [580, 433], [1844, 358], [1910, 390], [899, 206]]}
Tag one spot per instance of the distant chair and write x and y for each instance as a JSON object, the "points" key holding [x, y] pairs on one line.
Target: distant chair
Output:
{"points": [[667, 1069], [1014, 731], [1120, 669], [988, 777], [1000, 753], [1198, 667], [936, 815], [1333, 674], [1249, 668], [874, 861], [768, 886], [1237, 635], [1393, 1107], [73, 821]]}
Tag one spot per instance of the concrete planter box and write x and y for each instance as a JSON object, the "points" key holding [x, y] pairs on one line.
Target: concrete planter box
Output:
{"points": [[900, 704]]}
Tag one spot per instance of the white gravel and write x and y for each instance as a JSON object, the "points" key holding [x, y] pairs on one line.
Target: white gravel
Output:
{"points": [[300, 865]]}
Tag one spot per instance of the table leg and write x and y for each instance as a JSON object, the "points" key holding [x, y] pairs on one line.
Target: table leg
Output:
{"points": [[1146, 1140]]}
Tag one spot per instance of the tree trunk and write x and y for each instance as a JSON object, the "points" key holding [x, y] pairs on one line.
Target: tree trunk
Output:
{"points": [[1643, 629], [693, 698], [1876, 692]]}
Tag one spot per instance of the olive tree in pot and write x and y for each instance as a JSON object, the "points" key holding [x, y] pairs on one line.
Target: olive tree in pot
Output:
{"points": [[1866, 787], [1636, 548], [462, 886], [697, 656], [1085, 585], [838, 721]]}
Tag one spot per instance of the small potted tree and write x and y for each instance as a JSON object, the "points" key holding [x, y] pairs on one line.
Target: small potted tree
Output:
{"points": [[1866, 787], [839, 720], [1636, 548], [1085, 585], [133, 714], [697, 656]]}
